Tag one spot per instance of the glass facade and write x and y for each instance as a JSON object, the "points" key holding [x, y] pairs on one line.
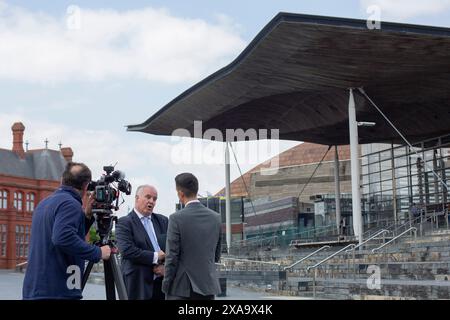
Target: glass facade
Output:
{"points": [[396, 178], [325, 211], [217, 204]]}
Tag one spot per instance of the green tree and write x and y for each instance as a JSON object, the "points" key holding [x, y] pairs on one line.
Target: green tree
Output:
{"points": [[93, 236]]}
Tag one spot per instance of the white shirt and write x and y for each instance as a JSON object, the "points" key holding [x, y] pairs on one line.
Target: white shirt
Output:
{"points": [[140, 215], [192, 201]]}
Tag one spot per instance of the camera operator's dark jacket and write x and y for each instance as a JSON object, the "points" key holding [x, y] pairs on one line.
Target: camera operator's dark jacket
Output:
{"points": [[137, 254], [58, 242]]}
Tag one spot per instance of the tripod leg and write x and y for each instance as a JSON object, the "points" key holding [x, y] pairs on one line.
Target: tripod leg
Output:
{"points": [[86, 274], [118, 278], [109, 280]]}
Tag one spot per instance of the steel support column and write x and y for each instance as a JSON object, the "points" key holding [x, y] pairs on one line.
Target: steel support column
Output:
{"points": [[355, 168], [227, 197]]}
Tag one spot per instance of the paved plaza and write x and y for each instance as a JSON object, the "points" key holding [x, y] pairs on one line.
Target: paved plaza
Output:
{"points": [[11, 289]]}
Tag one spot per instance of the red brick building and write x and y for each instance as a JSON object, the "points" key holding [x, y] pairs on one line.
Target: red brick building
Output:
{"points": [[26, 177]]}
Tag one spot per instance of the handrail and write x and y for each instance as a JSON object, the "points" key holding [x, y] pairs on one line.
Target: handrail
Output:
{"points": [[20, 266], [389, 224], [371, 238], [308, 256], [329, 257], [410, 222], [253, 240], [317, 232], [395, 238], [254, 261]]}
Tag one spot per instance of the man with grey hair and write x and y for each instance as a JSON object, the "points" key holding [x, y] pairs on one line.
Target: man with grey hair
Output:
{"points": [[141, 238]]}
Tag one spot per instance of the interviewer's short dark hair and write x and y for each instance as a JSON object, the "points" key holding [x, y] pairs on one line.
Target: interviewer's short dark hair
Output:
{"points": [[76, 175], [187, 183]]}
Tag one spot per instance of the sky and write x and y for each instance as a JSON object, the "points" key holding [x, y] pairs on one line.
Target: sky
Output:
{"points": [[78, 72]]}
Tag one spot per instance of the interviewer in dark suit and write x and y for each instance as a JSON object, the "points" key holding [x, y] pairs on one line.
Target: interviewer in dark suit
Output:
{"points": [[141, 238], [193, 247]]}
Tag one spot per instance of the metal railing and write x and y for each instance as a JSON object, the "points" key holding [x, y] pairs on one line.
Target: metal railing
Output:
{"points": [[21, 266], [383, 224], [433, 219], [277, 265], [330, 257], [281, 240], [252, 261], [409, 227], [367, 240], [304, 258], [323, 261], [414, 229], [351, 247]]}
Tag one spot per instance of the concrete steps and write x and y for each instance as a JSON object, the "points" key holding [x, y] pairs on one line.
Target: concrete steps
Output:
{"points": [[411, 269], [359, 289]]}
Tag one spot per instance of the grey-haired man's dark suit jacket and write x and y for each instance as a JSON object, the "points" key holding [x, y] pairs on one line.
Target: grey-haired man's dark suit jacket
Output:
{"points": [[193, 248], [137, 253]]}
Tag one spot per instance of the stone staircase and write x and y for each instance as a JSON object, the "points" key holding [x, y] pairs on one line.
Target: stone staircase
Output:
{"points": [[412, 269]]}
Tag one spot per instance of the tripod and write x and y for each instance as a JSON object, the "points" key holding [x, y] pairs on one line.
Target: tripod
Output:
{"points": [[111, 267], [113, 277]]}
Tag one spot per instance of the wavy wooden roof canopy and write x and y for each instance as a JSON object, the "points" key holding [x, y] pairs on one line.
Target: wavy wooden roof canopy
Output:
{"points": [[294, 76]]}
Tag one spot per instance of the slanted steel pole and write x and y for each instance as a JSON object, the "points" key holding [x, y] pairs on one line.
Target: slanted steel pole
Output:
{"points": [[337, 189], [227, 197], [354, 158]]}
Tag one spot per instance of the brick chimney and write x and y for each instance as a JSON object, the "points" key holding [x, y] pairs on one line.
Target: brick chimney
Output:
{"points": [[18, 129], [67, 153]]}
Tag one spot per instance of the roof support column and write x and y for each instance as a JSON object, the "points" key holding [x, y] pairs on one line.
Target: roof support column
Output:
{"points": [[355, 168], [337, 189], [227, 197]]}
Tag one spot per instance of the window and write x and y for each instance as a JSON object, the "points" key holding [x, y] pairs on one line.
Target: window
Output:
{"points": [[27, 234], [22, 241], [18, 198], [17, 241], [3, 237], [3, 199], [30, 202]]}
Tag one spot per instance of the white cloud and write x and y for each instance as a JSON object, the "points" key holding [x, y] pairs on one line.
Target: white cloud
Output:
{"points": [[400, 10], [102, 44]]}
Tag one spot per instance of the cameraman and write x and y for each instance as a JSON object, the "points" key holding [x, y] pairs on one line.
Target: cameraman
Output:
{"points": [[58, 249]]}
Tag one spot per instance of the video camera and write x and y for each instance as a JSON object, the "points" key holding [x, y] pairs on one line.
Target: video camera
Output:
{"points": [[105, 193]]}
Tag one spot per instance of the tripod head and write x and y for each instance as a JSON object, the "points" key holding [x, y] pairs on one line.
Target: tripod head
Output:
{"points": [[104, 219]]}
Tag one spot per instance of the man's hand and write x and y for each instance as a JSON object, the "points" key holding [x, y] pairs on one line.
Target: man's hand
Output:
{"points": [[161, 256], [88, 201], [106, 252], [159, 270]]}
